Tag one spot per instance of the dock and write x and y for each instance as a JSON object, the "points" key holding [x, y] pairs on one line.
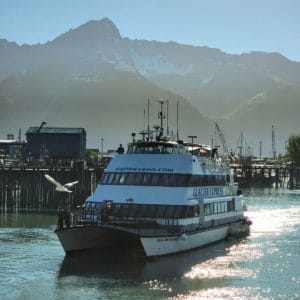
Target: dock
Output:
{"points": [[25, 188], [264, 176]]}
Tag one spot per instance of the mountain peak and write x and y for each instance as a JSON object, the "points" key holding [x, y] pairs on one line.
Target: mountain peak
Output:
{"points": [[92, 30], [104, 28]]}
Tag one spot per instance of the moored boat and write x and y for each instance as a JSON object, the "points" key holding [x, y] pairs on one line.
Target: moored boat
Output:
{"points": [[162, 196]]}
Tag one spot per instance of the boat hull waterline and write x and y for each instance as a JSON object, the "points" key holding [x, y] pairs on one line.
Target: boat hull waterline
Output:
{"points": [[80, 238]]}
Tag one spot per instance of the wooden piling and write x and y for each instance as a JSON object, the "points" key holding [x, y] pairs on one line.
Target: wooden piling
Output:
{"points": [[27, 188]]}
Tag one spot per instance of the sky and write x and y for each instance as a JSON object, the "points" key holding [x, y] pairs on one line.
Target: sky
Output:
{"points": [[233, 26]]}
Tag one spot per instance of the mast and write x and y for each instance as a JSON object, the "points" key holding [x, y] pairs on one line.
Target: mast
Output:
{"points": [[148, 126], [167, 117], [241, 145], [177, 120], [161, 116], [273, 142]]}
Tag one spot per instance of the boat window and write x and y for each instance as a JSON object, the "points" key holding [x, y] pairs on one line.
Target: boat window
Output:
{"points": [[228, 178], [219, 207], [141, 212], [196, 211], [189, 212], [162, 179], [160, 212], [169, 212], [173, 179], [139, 178], [179, 211], [105, 178], [147, 179], [204, 180], [122, 178], [110, 178], [151, 211], [193, 181], [155, 179], [183, 179], [130, 210], [207, 209], [130, 178], [116, 178]]}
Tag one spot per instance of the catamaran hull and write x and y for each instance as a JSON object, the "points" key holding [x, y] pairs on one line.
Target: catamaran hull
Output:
{"points": [[91, 237], [155, 246], [95, 237]]}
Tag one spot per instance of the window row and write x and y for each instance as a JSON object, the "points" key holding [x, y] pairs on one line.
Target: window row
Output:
{"points": [[117, 210], [219, 207], [163, 179]]}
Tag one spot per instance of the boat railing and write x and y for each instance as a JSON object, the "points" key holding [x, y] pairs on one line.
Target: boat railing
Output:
{"points": [[87, 216], [97, 216]]}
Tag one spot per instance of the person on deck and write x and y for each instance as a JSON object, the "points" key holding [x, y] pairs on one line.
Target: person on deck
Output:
{"points": [[67, 217], [60, 221], [120, 149]]}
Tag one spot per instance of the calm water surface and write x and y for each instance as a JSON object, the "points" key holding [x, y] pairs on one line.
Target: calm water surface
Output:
{"points": [[265, 265]]}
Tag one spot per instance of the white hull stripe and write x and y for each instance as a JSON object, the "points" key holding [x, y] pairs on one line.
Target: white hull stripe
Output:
{"points": [[171, 244]]}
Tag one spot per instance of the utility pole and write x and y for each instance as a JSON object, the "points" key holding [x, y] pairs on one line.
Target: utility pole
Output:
{"points": [[260, 142], [273, 142], [102, 139]]}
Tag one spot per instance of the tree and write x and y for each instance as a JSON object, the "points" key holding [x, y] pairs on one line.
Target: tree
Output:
{"points": [[293, 149]]}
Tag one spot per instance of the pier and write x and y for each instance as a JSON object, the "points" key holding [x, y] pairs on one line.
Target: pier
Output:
{"points": [[267, 176], [26, 188]]}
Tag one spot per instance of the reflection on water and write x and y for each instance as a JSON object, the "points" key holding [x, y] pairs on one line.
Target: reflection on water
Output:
{"points": [[261, 266], [113, 263]]}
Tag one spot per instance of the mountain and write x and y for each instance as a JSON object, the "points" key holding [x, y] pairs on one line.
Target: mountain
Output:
{"points": [[92, 74], [107, 101]]}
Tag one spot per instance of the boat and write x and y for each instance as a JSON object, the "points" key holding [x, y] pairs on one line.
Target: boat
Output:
{"points": [[161, 196]]}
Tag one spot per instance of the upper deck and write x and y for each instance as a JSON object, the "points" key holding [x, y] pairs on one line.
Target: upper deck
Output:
{"points": [[170, 147], [168, 157]]}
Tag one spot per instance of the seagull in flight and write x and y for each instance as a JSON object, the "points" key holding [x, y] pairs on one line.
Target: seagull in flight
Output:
{"points": [[60, 187]]}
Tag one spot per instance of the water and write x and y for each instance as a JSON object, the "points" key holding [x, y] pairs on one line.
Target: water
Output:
{"points": [[265, 265]]}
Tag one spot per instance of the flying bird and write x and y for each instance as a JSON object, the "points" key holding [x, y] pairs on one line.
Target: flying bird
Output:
{"points": [[60, 187]]}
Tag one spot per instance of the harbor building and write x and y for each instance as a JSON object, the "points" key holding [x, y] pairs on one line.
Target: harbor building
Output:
{"points": [[56, 143]]}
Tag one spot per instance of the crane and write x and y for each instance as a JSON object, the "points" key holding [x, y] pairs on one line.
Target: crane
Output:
{"points": [[222, 139]]}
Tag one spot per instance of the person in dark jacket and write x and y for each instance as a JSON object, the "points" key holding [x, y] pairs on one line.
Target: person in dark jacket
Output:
{"points": [[120, 149]]}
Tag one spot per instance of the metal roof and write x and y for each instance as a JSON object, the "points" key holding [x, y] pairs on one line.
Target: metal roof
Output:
{"points": [[65, 130]]}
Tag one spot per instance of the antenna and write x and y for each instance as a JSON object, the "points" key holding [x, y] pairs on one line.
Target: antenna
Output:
{"points": [[167, 117], [177, 120], [161, 115], [144, 120], [148, 128]]}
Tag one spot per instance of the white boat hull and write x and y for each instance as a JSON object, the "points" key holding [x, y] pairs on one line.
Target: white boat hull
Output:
{"points": [[96, 237], [154, 246]]}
